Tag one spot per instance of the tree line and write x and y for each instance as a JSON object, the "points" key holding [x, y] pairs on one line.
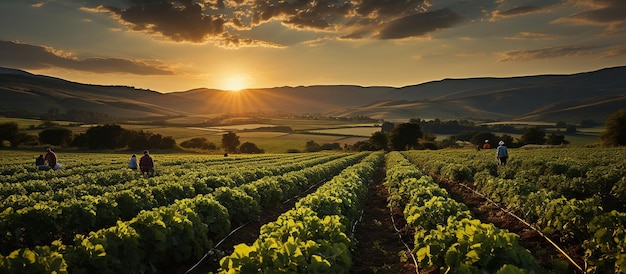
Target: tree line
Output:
{"points": [[112, 136]]}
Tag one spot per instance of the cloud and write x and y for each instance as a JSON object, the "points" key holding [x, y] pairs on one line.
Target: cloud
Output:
{"points": [[420, 24], [14, 54], [610, 13], [179, 20], [526, 35], [217, 21], [515, 12], [615, 51], [546, 53]]}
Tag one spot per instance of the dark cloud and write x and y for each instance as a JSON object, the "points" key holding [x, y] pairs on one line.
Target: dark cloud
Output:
{"points": [[178, 20], [517, 11], [420, 24], [546, 53], [220, 20], [18, 55]]}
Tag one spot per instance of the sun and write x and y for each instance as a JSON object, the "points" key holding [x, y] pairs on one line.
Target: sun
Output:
{"points": [[235, 82]]}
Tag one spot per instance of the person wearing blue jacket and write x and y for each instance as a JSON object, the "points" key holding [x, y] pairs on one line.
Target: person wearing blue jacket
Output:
{"points": [[502, 153]]}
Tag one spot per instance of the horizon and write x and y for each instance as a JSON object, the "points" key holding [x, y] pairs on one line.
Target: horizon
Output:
{"points": [[170, 46], [314, 85]]}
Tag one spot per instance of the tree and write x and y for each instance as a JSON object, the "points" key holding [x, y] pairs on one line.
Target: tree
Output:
{"points": [[230, 142], [556, 139], [386, 127], [199, 142], [249, 147], [105, 137], [56, 136], [379, 141], [479, 139], [405, 136], [312, 146], [533, 135], [8, 132], [615, 129]]}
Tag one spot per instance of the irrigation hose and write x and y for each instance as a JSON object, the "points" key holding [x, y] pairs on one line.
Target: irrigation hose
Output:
{"points": [[527, 224], [403, 242], [211, 251]]}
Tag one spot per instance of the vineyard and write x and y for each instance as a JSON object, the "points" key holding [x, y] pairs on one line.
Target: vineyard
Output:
{"points": [[449, 211]]}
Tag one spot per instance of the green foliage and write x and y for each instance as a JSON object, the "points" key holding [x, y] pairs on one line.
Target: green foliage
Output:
{"points": [[199, 142], [230, 142], [56, 136], [405, 136], [248, 147], [615, 129]]}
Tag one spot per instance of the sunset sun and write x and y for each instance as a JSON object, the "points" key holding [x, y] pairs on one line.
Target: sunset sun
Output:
{"points": [[235, 82]]}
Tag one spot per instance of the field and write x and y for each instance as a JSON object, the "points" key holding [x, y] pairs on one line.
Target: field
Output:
{"points": [[320, 131], [557, 210]]}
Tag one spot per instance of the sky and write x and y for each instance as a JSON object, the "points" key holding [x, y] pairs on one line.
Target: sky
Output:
{"points": [[236, 44]]}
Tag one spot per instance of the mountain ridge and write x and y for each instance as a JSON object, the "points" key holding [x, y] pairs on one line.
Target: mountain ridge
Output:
{"points": [[551, 97]]}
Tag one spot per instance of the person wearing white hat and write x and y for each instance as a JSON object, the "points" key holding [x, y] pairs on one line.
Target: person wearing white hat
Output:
{"points": [[486, 145], [502, 153]]}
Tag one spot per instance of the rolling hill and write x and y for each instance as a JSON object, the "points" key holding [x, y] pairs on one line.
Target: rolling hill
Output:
{"points": [[570, 98]]}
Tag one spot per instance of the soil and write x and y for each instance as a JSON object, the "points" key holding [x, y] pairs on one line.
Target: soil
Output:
{"points": [[383, 242]]}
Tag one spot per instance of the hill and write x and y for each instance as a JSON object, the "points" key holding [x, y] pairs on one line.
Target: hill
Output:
{"points": [[570, 98]]}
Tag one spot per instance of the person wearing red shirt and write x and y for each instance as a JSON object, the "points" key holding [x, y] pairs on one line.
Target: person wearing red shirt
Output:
{"points": [[146, 165], [50, 157]]}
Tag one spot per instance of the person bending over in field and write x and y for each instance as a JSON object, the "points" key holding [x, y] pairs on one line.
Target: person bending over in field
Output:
{"points": [[146, 164], [50, 157]]}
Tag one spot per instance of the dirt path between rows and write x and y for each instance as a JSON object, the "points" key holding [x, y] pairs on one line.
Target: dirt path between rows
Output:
{"points": [[380, 247]]}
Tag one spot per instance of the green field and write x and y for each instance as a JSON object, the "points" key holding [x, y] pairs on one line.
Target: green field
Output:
{"points": [[320, 131]]}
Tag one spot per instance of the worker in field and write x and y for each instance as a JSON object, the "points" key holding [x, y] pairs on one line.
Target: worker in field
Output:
{"points": [[502, 153], [132, 163], [146, 165], [50, 157], [486, 145], [40, 163]]}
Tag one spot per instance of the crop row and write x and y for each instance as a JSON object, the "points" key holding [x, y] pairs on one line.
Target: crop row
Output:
{"points": [[166, 229], [29, 193], [313, 237], [446, 235], [522, 188], [91, 174]]}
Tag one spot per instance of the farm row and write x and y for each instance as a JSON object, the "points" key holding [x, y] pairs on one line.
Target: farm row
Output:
{"points": [[576, 196], [97, 216]]}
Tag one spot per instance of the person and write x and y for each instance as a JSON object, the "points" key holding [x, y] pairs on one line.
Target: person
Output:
{"points": [[132, 163], [502, 153], [486, 145], [40, 163], [146, 164], [50, 157]]}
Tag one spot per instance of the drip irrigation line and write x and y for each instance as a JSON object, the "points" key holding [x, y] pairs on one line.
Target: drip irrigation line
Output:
{"points": [[529, 225], [211, 251], [393, 221]]}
